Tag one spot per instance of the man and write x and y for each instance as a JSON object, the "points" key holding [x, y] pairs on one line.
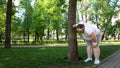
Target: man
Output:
{"points": [[92, 37]]}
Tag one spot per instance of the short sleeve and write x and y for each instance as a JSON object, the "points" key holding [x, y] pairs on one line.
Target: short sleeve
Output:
{"points": [[88, 31]]}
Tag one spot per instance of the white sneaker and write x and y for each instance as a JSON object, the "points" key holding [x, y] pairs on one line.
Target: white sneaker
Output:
{"points": [[88, 59], [97, 61]]}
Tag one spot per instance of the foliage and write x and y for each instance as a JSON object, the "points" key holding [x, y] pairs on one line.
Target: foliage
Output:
{"points": [[16, 30], [2, 17], [2, 2], [101, 13], [49, 15], [38, 24], [53, 15], [2, 22], [26, 24]]}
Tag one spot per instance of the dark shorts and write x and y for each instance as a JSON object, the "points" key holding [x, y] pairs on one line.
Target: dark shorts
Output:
{"points": [[98, 40]]}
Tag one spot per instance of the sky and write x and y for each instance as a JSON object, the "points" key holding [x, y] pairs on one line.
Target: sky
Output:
{"points": [[113, 1], [20, 10]]}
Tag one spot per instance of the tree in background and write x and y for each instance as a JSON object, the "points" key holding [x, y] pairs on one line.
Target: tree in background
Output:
{"points": [[38, 17], [26, 25], [100, 13], [48, 15], [8, 24], [57, 17], [54, 10], [108, 13]]}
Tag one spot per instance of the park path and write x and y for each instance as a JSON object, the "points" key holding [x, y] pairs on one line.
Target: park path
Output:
{"points": [[112, 61]]}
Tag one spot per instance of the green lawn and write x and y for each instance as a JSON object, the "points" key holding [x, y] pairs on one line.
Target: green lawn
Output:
{"points": [[47, 57]]}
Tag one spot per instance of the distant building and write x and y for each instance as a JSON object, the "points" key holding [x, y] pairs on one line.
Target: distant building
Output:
{"points": [[116, 18]]}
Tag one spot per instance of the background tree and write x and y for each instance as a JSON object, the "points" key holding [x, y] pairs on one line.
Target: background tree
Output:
{"points": [[8, 24], [16, 29], [100, 13], [116, 30], [57, 17], [26, 4], [38, 24]]}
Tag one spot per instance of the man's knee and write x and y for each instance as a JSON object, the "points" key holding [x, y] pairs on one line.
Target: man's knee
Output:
{"points": [[94, 45]]}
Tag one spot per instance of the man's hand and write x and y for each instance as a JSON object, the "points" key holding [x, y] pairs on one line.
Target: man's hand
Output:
{"points": [[94, 44], [94, 38], [74, 25]]}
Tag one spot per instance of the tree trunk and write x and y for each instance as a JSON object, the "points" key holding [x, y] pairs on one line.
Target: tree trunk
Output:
{"points": [[36, 37], [66, 36], [48, 34], [86, 18], [115, 37], [72, 40], [24, 37], [28, 35], [118, 36], [8, 24], [57, 36], [0, 38], [103, 35], [82, 17]]}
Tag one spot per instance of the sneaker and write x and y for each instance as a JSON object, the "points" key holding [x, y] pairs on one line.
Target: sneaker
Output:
{"points": [[97, 61], [88, 59]]}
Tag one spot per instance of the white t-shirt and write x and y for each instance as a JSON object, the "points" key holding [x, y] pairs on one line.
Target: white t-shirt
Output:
{"points": [[89, 28]]}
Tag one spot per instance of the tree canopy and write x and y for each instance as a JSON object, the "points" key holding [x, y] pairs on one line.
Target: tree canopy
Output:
{"points": [[38, 20]]}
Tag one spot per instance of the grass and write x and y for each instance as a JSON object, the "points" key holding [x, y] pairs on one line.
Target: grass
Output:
{"points": [[47, 57]]}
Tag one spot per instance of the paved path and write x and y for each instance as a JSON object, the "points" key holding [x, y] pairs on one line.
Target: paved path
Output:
{"points": [[112, 61]]}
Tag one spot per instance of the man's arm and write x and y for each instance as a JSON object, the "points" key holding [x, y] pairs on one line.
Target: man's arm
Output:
{"points": [[74, 25], [93, 37]]}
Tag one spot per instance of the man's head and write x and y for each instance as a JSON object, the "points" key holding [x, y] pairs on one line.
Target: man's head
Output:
{"points": [[80, 28]]}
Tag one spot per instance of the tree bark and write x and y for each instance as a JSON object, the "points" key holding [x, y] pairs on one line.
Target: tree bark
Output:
{"points": [[118, 36], [0, 38], [28, 35], [48, 34], [24, 34], [8, 24], [72, 40], [57, 35]]}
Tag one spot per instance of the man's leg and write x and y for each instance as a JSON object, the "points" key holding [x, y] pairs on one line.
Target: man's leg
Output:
{"points": [[89, 51], [96, 52]]}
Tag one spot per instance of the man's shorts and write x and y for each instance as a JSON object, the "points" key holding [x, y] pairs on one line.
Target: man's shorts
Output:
{"points": [[98, 40]]}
